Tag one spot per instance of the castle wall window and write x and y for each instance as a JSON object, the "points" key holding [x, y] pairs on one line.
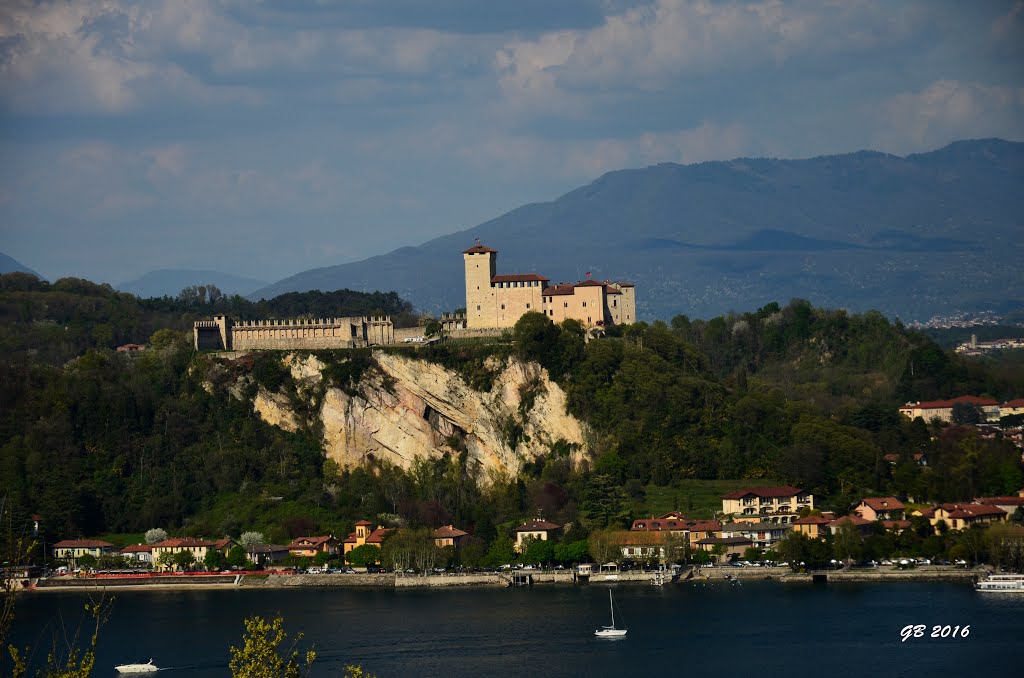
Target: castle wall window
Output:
{"points": [[584, 304], [566, 304], [527, 306], [503, 307]]}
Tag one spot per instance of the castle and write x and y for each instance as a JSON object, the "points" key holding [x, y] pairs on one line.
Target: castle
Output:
{"points": [[494, 300]]}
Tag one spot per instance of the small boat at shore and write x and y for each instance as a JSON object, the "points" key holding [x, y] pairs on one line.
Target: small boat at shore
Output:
{"points": [[148, 667], [610, 631], [1001, 583]]}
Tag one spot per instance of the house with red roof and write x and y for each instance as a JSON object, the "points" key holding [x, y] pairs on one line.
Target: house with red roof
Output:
{"points": [[73, 549], [943, 409], [535, 529], [811, 526], [308, 547], [963, 516], [449, 535], [775, 504], [880, 508], [863, 525], [197, 547], [1008, 504], [138, 553], [364, 535]]}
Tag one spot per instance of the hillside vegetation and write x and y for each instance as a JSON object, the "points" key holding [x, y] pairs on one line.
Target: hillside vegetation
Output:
{"points": [[105, 442]]}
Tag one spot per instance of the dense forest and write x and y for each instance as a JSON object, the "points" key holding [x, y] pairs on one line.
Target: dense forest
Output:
{"points": [[99, 442], [54, 322]]}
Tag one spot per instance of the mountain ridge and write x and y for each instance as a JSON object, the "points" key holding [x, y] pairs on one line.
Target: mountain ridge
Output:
{"points": [[849, 230]]}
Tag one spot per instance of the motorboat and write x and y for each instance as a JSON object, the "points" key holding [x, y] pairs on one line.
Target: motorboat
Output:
{"points": [[610, 631], [1001, 583], [148, 667]]}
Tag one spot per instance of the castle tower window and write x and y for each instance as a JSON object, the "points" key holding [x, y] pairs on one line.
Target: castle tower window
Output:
{"points": [[566, 304], [584, 304], [503, 307], [527, 306]]}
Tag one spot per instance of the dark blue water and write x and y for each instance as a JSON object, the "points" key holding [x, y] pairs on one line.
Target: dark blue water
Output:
{"points": [[760, 629]]}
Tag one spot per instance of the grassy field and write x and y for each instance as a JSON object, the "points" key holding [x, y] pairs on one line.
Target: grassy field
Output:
{"points": [[695, 498], [123, 539]]}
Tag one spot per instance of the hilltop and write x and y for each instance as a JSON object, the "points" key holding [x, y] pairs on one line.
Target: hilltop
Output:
{"points": [[909, 236]]}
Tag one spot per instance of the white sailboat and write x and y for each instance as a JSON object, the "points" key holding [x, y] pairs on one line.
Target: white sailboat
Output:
{"points": [[137, 668], [610, 631]]}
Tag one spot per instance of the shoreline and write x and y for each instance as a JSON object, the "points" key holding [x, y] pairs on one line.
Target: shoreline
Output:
{"points": [[501, 580]]}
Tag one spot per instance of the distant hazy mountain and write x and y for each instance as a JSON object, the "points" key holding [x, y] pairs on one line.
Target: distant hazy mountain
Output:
{"points": [[909, 236], [10, 265], [171, 281]]}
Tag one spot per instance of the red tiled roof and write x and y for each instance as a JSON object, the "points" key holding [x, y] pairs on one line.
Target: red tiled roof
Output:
{"points": [[448, 531], [559, 289], [184, 542], [1005, 501], [608, 289], [377, 536], [632, 537], [658, 524], [363, 522], [622, 284], [704, 525], [1016, 402], [971, 510], [479, 249], [590, 283], [883, 503], [891, 457], [941, 404], [537, 525], [518, 277], [137, 548], [779, 491], [81, 544], [222, 544], [309, 542], [898, 524]]}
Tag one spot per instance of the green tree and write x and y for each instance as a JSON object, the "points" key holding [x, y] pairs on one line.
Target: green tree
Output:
{"points": [[266, 652], [184, 559], [237, 557], [323, 557], [501, 551], [214, 560], [540, 551], [793, 548], [604, 503], [366, 554], [966, 413], [88, 560], [602, 546], [848, 544], [432, 328]]}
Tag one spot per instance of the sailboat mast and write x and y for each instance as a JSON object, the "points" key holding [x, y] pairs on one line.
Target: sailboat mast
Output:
{"points": [[611, 603]]}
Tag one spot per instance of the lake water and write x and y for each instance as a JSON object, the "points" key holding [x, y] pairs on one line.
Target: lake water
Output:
{"points": [[757, 628]]}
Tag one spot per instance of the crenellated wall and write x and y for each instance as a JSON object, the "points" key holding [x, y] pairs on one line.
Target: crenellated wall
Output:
{"points": [[223, 334]]}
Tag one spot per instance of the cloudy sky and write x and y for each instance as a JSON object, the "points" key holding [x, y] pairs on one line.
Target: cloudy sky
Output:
{"points": [[266, 138]]}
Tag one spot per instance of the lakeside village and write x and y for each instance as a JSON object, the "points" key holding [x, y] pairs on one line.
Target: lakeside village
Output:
{"points": [[756, 526], [775, 526]]}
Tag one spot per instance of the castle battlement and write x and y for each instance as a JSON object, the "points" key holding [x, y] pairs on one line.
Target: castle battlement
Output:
{"points": [[225, 334]]}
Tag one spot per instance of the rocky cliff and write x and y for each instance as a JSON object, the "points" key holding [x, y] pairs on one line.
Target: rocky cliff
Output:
{"points": [[402, 408]]}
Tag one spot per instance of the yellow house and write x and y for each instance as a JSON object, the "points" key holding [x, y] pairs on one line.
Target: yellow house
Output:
{"points": [[535, 529], [448, 535], [308, 547], [364, 535], [963, 516], [197, 547], [779, 504], [73, 549]]}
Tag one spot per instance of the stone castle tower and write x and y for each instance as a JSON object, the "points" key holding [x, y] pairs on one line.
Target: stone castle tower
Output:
{"points": [[481, 263]]}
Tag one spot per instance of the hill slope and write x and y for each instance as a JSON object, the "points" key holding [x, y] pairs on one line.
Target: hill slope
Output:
{"points": [[168, 282], [909, 236], [11, 265]]}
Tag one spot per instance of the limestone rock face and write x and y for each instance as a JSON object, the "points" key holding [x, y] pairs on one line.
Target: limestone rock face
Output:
{"points": [[275, 409], [410, 408]]}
